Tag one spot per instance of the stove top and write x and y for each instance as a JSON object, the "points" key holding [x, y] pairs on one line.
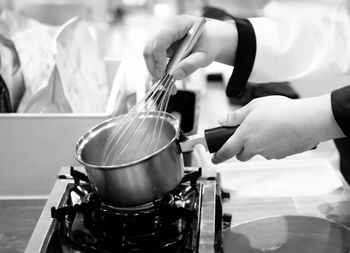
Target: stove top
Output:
{"points": [[75, 219]]}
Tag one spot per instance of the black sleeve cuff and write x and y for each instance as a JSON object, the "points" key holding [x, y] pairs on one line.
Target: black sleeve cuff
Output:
{"points": [[245, 57], [340, 100]]}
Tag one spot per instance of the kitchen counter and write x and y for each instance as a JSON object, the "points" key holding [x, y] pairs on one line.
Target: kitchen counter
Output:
{"points": [[18, 218], [304, 187]]}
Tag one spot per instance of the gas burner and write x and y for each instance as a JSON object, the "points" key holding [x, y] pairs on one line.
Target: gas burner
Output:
{"points": [[148, 208], [186, 220], [158, 226], [130, 210], [105, 231]]}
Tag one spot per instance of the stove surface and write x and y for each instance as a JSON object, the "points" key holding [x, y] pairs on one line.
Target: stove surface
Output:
{"points": [[183, 221]]}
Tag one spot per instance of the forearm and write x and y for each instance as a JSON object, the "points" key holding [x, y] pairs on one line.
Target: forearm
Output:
{"points": [[288, 48], [322, 117], [294, 46]]}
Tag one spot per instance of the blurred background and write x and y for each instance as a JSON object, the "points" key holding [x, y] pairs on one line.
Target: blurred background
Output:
{"points": [[132, 19], [122, 26], [133, 14]]}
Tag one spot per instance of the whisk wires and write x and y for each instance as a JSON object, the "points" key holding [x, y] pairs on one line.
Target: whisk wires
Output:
{"points": [[156, 100], [126, 138]]}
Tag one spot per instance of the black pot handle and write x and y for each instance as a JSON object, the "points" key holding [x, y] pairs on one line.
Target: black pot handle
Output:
{"points": [[217, 136]]}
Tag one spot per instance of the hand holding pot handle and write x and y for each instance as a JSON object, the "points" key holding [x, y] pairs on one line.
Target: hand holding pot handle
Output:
{"points": [[212, 140], [216, 137]]}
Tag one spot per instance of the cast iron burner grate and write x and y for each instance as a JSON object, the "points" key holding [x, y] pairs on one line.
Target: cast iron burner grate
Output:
{"points": [[169, 224]]}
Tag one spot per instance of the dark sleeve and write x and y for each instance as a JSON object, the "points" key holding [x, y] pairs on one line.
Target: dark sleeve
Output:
{"points": [[340, 100], [245, 57]]}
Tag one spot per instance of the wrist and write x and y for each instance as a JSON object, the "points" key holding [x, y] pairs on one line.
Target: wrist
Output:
{"points": [[227, 41], [327, 127]]}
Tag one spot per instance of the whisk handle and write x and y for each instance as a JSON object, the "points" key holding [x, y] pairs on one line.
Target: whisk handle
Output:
{"points": [[216, 137], [186, 45]]}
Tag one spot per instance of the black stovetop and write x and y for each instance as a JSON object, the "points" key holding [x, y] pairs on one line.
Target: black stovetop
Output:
{"points": [[168, 224], [75, 219]]}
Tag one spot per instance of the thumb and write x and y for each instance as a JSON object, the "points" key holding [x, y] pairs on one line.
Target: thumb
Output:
{"points": [[231, 147], [235, 118], [190, 64]]}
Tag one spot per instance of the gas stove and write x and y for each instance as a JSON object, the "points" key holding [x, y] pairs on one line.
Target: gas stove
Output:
{"points": [[187, 219]]}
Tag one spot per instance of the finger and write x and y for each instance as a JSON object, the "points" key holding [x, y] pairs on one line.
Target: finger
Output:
{"points": [[173, 89], [235, 118], [244, 155], [155, 52], [190, 64], [232, 147], [150, 64], [155, 56], [160, 60]]}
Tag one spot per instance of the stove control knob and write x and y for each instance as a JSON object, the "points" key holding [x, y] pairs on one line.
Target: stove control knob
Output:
{"points": [[225, 194], [226, 220]]}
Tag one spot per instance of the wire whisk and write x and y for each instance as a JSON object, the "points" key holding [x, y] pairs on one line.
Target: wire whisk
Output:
{"points": [[140, 132]]}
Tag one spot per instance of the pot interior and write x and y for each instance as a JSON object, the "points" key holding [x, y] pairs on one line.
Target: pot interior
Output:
{"points": [[118, 141]]}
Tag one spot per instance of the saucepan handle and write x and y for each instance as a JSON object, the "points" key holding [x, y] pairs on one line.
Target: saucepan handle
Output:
{"points": [[216, 137], [212, 140]]}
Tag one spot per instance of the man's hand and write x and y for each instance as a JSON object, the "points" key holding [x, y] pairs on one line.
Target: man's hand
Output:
{"points": [[276, 127], [218, 42]]}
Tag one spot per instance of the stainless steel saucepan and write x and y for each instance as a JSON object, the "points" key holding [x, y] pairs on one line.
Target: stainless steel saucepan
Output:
{"points": [[138, 177]]}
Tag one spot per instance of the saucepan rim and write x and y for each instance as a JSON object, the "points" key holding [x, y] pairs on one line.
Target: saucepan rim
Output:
{"points": [[95, 130]]}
